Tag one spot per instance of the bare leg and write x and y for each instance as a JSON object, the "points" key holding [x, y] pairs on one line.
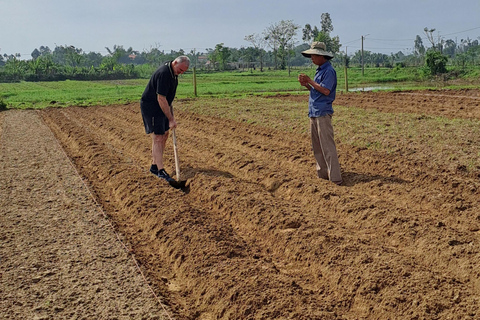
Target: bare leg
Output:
{"points": [[158, 147]]}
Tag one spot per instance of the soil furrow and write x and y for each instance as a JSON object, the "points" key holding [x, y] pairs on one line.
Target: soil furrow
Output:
{"points": [[259, 236], [211, 242]]}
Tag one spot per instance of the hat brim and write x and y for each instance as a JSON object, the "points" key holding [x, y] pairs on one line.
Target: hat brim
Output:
{"points": [[308, 53]]}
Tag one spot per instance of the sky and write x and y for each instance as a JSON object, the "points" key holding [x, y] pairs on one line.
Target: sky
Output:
{"points": [[386, 26]]}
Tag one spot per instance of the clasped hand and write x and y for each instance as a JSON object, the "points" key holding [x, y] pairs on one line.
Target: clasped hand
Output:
{"points": [[304, 80]]}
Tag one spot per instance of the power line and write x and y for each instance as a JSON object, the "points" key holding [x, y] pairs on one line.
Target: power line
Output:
{"points": [[423, 38], [449, 34], [351, 41], [393, 40], [396, 41]]}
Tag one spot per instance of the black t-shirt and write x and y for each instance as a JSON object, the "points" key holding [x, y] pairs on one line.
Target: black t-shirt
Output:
{"points": [[163, 82]]}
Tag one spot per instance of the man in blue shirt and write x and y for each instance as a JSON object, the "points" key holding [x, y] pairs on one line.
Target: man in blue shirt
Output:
{"points": [[322, 94]]}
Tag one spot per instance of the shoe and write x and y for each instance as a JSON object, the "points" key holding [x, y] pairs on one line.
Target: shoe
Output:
{"points": [[154, 169], [164, 175]]}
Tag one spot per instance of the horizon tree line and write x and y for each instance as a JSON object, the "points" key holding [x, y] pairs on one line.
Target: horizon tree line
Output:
{"points": [[277, 47]]}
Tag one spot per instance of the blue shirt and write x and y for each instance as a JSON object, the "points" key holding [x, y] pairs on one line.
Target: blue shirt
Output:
{"points": [[320, 105]]}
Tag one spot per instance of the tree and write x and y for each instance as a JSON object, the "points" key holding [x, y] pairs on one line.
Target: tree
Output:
{"points": [[281, 38], [258, 43], [42, 51], [429, 34], [194, 57], [43, 68], [418, 46], [154, 57], [326, 27], [35, 54], [461, 60], [121, 55], [68, 55], [449, 48], [222, 54], [473, 54], [15, 68], [435, 62], [45, 50], [326, 23], [333, 44], [271, 38], [93, 59], [309, 34]]}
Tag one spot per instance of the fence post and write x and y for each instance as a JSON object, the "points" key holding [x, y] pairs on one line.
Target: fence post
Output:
{"points": [[346, 80], [195, 81]]}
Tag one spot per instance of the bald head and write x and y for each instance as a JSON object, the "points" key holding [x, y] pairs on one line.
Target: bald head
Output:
{"points": [[180, 65]]}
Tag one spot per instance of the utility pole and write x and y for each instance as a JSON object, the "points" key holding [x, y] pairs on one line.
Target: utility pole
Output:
{"points": [[195, 74], [363, 37], [346, 73]]}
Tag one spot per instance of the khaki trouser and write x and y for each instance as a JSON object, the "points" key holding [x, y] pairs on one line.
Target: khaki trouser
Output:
{"points": [[324, 149]]}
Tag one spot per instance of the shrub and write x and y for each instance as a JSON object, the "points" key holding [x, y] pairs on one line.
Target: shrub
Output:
{"points": [[3, 105], [436, 62]]}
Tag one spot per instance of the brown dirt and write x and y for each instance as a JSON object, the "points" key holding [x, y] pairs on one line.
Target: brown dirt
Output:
{"points": [[463, 103], [448, 103], [59, 256], [257, 236]]}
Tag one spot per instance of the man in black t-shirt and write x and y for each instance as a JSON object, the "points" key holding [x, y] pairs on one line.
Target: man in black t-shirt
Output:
{"points": [[157, 111]]}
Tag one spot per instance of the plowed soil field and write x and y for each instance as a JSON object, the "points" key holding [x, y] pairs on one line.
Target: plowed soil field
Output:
{"points": [[256, 235]]}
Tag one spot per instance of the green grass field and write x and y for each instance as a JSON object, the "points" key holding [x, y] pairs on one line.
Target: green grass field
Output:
{"points": [[235, 95], [236, 84]]}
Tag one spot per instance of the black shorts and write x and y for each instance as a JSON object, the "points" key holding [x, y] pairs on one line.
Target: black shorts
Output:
{"points": [[157, 123]]}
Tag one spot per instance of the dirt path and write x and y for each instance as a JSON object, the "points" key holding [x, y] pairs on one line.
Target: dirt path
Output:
{"points": [[59, 256]]}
